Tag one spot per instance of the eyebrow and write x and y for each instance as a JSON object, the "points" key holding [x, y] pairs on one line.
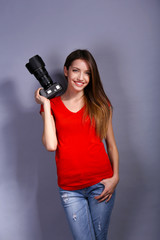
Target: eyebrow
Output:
{"points": [[88, 70]]}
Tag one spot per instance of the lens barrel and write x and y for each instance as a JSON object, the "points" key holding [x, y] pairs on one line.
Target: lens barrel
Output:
{"points": [[36, 66]]}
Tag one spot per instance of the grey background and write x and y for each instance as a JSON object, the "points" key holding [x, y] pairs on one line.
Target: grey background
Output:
{"points": [[124, 38]]}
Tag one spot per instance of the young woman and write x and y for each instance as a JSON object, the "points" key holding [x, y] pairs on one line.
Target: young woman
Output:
{"points": [[74, 126]]}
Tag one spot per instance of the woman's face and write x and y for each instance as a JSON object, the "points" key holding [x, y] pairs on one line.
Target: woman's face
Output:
{"points": [[78, 75]]}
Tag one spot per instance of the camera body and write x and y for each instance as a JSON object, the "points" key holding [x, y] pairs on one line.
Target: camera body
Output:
{"points": [[36, 66], [51, 91]]}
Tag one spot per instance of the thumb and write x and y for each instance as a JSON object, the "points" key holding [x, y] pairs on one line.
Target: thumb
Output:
{"points": [[102, 181]]}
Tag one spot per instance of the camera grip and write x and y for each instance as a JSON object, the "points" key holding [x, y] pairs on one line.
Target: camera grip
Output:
{"points": [[42, 93]]}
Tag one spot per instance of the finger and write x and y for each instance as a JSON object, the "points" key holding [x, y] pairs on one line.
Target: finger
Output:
{"points": [[37, 91], [104, 198], [37, 94], [109, 198], [102, 194]]}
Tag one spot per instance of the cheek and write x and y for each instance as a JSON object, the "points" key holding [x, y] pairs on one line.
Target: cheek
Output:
{"points": [[71, 75], [88, 79], [70, 78]]}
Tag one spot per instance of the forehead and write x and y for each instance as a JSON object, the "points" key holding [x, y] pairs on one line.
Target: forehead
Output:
{"points": [[80, 63]]}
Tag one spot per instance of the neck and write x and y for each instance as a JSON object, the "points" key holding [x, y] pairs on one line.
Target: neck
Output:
{"points": [[72, 95]]}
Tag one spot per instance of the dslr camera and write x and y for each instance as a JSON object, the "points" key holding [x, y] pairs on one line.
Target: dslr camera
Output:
{"points": [[51, 89]]}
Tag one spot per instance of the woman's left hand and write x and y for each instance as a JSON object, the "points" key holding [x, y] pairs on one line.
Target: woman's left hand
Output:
{"points": [[109, 187]]}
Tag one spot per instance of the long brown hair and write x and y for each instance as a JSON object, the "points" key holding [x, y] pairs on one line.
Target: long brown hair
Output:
{"points": [[97, 102]]}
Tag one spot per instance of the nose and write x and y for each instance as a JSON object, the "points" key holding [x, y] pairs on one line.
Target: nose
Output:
{"points": [[80, 75]]}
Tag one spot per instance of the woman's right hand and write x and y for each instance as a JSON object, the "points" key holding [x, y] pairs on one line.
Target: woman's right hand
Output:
{"points": [[40, 99], [49, 137]]}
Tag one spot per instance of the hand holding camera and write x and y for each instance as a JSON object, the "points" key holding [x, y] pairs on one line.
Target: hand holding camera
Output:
{"points": [[39, 98]]}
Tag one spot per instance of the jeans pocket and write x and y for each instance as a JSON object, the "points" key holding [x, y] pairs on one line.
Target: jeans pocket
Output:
{"points": [[101, 183]]}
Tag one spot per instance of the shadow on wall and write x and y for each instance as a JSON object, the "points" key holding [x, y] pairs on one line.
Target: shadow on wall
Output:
{"points": [[29, 196], [131, 191], [58, 77]]}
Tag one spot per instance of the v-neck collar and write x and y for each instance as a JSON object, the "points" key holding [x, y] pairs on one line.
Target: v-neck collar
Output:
{"points": [[68, 109]]}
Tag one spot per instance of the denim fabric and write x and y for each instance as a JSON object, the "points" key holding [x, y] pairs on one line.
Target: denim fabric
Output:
{"points": [[88, 219]]}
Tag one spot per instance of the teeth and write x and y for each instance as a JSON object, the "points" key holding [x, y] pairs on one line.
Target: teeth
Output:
{"points": [[79, 83]]}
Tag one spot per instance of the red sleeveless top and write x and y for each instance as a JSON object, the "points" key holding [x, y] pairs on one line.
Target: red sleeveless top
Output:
{"points": [[81, 158]]}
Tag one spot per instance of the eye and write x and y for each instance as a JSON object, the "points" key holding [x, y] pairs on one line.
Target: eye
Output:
{"points": [[88, 73], [75, 70]]}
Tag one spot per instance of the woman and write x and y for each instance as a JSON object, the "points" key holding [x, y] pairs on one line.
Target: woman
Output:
{"points": [[74, 126]]}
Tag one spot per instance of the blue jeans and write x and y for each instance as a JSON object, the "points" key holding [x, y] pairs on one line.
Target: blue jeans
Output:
{"points": [[88, 219]]}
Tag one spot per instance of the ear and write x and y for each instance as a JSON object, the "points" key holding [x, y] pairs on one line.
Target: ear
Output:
{"points": [[65, 71]]}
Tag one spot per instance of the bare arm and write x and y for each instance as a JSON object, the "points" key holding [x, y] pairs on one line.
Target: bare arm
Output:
{"points": [[112, 149], [49, 137], [110, 183]]}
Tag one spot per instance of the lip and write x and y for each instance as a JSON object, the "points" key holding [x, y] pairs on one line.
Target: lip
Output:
{"points": [[79, 83]]}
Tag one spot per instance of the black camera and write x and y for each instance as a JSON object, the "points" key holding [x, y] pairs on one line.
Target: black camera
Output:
{"points": [[50, 89]]}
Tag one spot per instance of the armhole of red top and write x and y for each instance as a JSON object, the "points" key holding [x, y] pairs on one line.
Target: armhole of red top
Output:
{"points": [[42, 110]]}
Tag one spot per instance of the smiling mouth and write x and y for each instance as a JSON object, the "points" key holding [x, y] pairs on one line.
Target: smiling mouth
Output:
{"points": [[79, 83]]}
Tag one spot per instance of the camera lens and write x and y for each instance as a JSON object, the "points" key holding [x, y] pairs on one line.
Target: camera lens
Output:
{"points": [[36, 66]]}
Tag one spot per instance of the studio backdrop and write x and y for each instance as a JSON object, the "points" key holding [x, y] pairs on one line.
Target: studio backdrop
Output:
{"points": [[124, 37]]}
